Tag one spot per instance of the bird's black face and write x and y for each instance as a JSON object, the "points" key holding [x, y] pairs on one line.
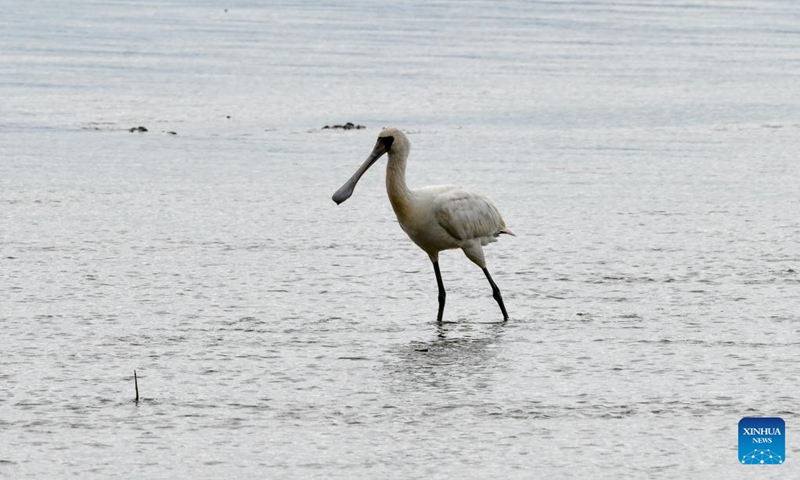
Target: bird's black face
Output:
{"points": [[387, 142]]}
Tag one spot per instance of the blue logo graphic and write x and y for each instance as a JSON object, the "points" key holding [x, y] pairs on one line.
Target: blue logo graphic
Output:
{"points": [[762, 441]]}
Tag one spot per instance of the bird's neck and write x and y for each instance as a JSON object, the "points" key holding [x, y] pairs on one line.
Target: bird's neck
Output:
{"points": [[396, 187]]}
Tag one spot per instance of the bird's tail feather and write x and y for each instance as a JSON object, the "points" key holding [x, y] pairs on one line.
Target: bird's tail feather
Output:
{"points": [[507, 232]]}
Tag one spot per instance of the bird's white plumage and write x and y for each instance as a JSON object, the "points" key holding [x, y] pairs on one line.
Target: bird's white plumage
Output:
{"points": [[466, 215], [442, 217]]}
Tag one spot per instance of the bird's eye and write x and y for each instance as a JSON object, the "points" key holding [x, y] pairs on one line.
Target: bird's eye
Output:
{"points": [[387, 142]]}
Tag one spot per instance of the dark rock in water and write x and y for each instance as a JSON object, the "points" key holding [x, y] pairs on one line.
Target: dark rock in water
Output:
{"points": [[137, 129], [172, 133], [346, 126]]}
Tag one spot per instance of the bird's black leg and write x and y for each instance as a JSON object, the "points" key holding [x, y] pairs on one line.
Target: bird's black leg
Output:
{"points": [[442, 294], [496, 294]]}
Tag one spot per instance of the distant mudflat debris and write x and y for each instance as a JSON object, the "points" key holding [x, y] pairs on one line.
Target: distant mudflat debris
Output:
{"points": [[346, 126], [142, 129]]}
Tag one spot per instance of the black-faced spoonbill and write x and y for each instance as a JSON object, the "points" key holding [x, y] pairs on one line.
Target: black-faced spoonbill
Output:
{"points": [[435, 218]]}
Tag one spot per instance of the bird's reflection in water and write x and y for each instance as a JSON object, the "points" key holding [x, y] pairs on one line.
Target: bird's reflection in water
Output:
{"points": [[459, 358]]}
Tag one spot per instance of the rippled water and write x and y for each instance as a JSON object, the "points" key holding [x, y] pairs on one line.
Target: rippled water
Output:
{"points": [[645, 153]]}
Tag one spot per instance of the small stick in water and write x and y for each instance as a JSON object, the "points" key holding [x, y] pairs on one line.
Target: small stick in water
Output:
{"points": [[136, 385]]}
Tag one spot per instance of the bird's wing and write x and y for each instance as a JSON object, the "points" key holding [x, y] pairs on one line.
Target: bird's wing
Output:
{"points": [[466, 215]]}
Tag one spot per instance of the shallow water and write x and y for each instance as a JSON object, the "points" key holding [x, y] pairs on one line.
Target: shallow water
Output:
{"points": [[644, 153]]}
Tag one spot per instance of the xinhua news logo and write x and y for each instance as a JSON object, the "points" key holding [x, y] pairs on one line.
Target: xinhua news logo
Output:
{"points": [[762, 441]]}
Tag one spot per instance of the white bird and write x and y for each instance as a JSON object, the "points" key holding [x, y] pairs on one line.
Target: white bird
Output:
{"points": [[436, 218]]}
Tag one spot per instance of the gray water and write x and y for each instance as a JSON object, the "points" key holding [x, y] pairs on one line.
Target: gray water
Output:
{"points": [[644, 152]]}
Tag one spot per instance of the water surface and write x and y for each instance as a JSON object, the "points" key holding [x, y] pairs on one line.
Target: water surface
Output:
{"points": [[645, 154]]}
